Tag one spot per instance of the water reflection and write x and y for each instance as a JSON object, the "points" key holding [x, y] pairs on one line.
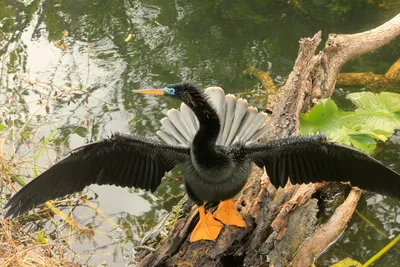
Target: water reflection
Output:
{"points": [[208, 42]]}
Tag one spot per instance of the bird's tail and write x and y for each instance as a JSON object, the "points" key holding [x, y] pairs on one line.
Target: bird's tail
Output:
{"points": [[239, 122]]}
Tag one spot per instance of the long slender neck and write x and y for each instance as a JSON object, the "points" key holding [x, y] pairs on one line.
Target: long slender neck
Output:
{"points": [[203, 146], [208, 120]]}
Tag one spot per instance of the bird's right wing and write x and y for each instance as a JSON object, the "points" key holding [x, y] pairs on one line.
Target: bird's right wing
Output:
{"points": [[306, 159], [122, 160]]}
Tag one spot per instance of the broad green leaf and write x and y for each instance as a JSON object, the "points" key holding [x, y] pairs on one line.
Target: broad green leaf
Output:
{"points": [[324, 118], [347, 262], [1, 127], [384, 102], [364, 142], [321, 118], [375, 113]]}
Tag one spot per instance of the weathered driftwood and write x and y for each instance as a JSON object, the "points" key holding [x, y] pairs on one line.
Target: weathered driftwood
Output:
{"points": [[278, 220], [333, 227]]}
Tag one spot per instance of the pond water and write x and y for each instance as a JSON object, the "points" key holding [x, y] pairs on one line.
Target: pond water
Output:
{"points": [[105, 49]]}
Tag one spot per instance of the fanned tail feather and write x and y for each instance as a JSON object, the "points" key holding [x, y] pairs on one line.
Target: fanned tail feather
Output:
{"points": [[230, 115], [177, 120], [239, 122], [217, 96], [173, 131], [190, 119], [240, 111]]}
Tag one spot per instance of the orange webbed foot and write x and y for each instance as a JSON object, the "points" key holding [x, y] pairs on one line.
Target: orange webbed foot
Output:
{"points": [[207, 228], [228, 214]]}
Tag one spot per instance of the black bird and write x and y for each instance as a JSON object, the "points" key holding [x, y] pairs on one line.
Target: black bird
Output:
{"points": [[214, 136]]}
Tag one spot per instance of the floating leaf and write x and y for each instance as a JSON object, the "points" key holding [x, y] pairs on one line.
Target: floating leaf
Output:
{"points": [[376, 117], [383, 102], [325, 118], [364, 142], [321, 118], [376, 113]]}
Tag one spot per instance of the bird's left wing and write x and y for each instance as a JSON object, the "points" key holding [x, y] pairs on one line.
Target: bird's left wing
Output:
{"points": [[308, 159], [123, 160]]}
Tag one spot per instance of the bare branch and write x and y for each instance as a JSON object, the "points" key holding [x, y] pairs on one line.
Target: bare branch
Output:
{"points": [[329, 232]]}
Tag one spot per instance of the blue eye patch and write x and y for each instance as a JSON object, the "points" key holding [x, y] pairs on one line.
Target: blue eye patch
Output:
{"points": [[170, 91]]}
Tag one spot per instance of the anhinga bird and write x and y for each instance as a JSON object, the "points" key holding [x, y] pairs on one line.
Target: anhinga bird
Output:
{"points": [[214, 136]]}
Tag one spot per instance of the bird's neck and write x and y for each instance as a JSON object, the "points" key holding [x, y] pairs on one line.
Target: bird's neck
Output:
{"points": [[203, 146], [208, 121]]}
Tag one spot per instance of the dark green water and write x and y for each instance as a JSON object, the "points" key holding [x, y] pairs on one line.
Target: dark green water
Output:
{"points": [[207, 42]]}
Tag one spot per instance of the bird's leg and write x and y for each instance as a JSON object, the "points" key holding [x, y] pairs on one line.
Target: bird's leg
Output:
{"points": [[228, 214], [207, 228]]}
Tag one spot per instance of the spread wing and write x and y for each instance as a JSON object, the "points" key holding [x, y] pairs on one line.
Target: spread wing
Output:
{"points": [[314, 159], [123, 160]]}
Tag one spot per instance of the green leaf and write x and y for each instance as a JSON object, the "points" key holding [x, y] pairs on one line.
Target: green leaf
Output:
{"points": [[375, 113], [1, 127], [41, 238], [321, 118], [383, 102], [347, 262], [81, 131], [325, 118], [376, 117], [364, 142]]}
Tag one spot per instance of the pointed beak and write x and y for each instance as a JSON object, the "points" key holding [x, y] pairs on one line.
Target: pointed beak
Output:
{"points": [[150, 91]]}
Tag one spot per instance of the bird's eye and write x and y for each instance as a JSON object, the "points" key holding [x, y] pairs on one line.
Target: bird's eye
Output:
{"points": [[170, 91]]}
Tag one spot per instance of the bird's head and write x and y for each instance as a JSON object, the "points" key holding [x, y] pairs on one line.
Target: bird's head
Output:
{"points": [[186, 92]]}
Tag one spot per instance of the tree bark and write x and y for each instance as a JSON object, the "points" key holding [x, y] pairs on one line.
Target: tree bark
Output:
{"points": [[278, 220]]}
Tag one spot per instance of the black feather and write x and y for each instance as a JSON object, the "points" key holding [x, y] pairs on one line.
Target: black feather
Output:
{"points": [[313, 159], [116, 161]]}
